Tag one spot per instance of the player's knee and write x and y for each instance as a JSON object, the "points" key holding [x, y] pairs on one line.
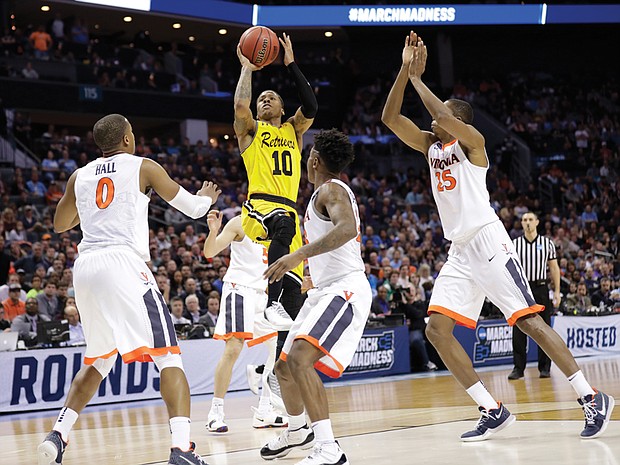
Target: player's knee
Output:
{"points": [[169, 361], [283, 229], [281, 370], [434, 332], [104, 365], [233, 348], [532, 325]]}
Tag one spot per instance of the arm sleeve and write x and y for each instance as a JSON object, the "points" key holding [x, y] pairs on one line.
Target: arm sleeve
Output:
{"points": [[194, 206], [309, 105]]}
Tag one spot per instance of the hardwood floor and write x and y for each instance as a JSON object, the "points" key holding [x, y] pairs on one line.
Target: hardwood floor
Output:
{"points": [[406, 420]]}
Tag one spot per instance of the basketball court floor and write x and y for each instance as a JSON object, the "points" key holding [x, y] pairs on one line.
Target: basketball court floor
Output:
{"points": [[415, 419]]}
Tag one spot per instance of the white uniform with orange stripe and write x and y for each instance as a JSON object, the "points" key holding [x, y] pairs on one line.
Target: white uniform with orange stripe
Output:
{"points": [[120, 305], [481, 261], [334, 315], [243, 295]]}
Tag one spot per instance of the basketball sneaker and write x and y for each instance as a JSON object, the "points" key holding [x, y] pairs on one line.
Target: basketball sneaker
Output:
{"points": [[491, 421], [50, 451], [253, 378], [597, 410], [268, 418], [277, 316], [215, 420], [325, 454], [281, 445], [179, 457]]}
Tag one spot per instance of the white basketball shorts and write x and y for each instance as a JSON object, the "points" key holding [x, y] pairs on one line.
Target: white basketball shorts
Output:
{"points": [[242, 315], [333, 320], [121, 308], [488, 266]]}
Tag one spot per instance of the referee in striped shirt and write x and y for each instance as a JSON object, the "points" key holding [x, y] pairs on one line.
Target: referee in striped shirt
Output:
{"points": [[535, 252]]}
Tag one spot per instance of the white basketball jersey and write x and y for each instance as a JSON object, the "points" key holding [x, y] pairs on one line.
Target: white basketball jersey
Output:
{"points": [[112, 209], [248, 262], [460, 191], [346, 259]]}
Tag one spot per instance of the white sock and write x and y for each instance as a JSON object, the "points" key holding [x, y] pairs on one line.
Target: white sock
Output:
{"points": [[217, 402], [65, 421], [323, 432], [481, 396], [580, 385], [296, 421], [179, 427]]}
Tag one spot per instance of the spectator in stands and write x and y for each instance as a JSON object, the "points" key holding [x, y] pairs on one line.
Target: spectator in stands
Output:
{"points": [[35, 187], [58, 30], [193, 312], [209, 319], [41, 42], [190, 288], [50, 166], [13, 306], [18, 233], [26, 324], [29, 72], [53, 194], [79, 32], [31, 261], [36, 287], [48, 301], [602, 297], [5, 262], [28, 218], [176, 311], [579, 303], [380, 304], [76, 331]]}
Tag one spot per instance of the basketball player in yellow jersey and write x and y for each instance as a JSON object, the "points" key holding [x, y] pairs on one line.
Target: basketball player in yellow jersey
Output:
{"points": [[271, 151]]}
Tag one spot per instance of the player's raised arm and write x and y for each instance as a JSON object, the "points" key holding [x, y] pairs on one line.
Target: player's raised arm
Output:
{"points": [[66, 216], [244, 120], [468, 136], [153, 175], [215, 242], [405, 129], [304, 116]]}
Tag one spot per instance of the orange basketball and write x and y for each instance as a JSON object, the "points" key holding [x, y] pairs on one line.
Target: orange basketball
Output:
{"points": [[260, 45]]}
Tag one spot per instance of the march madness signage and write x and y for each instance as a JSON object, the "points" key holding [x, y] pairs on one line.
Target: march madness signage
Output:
{"points": [[493, 342], [375, 352]]}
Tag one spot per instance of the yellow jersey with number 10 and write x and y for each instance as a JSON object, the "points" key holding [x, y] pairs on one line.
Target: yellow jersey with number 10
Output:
{"points": [[273, 161]]}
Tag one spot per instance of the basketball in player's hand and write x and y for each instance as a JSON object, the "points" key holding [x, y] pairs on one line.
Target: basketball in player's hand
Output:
{"points": [[260, 45]]}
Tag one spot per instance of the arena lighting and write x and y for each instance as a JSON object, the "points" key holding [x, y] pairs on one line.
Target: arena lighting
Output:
{"points": [[191, 38], [45, 8], [128, 19], [176, 26], [329, 33], [223, 32]]}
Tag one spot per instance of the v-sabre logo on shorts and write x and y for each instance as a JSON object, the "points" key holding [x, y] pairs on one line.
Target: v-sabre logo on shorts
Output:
{"points": [[493, 342], [374, 352]]}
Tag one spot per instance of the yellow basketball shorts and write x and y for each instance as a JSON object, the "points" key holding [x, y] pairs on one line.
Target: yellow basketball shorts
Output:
{"points": [[253, 215]]}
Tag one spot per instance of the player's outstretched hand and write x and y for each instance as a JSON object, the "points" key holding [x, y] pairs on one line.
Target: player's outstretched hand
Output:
{"points": [[210, 189], [410, 42], [245, 62], [276, 271], [287, 45], [418, 63], [214, 220]]}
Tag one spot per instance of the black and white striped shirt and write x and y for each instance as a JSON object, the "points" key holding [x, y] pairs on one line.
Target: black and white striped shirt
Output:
{"points": [[535, 255]]}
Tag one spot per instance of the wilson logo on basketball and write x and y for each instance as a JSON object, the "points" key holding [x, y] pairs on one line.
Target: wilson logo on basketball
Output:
{"points": [[260, 56]]}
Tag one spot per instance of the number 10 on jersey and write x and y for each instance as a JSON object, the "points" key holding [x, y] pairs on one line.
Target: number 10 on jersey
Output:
{"points": [[282, 163]]}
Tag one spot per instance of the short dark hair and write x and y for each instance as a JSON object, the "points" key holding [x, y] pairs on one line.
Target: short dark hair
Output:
{"points": [[108, 132], [334, 148], [462, 110]]}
